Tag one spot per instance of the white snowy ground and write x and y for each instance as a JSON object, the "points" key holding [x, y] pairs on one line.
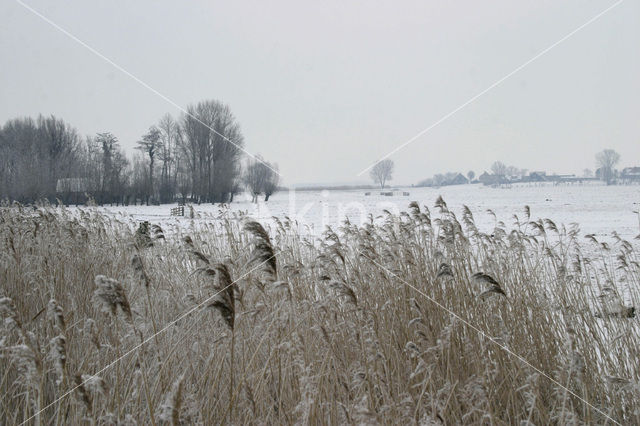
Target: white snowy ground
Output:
{"points": [[597, 209]]}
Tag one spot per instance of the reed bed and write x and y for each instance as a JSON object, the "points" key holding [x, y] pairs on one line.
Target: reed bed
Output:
{"points": [[412, 319]]}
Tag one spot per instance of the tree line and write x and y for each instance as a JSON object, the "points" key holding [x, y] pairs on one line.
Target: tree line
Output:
{"points": [[195, 157]]}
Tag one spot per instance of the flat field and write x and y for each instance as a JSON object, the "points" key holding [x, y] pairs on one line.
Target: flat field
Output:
{"points": [[598, 209]]}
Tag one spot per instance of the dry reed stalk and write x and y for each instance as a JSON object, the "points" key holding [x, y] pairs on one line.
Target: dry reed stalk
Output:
{"points": [[366, 363], [142, 276], [224, 303]]}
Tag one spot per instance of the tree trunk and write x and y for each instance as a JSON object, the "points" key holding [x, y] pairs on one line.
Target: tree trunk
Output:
{"points": [[151, 174]]}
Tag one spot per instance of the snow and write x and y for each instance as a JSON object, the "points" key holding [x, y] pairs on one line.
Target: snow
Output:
{"points": [[597, 209]]}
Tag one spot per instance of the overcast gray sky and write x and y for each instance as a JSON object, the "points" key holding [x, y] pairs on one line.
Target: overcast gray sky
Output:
{"points": [[326, 88]]}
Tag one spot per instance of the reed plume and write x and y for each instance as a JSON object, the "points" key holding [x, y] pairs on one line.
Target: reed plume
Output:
{"points": [[263, 253], [143, 236], [224, 302], [491, 285], [170, 410], [109, 295], [59, 356], [56, 315]]}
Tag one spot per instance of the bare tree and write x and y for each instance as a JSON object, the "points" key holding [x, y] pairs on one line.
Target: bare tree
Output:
{"points": [[120, 176], [382, 172], [261, 177], [19, 174], [470, 175], [139, 178], [60, 144], [253, 177], [499, 168], [34, 155], [150, 145], [271, 182], [111, 168], [210, 144], [606, 161], [109, 145], [168, 155]]}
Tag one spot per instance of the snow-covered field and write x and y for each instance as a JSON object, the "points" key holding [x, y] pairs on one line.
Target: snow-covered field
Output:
{"points": [[597, 209]]}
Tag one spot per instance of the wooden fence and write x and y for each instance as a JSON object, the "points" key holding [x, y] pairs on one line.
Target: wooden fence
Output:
{"points": [[177, 211]]}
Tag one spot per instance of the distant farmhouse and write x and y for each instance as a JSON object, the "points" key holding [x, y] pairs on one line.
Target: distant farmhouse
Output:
{"points": [[630, 175], [537, 177], [73, 190], [458, 179], [490, 180]]}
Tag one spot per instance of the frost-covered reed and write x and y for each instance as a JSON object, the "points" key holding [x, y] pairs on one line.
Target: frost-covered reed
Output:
{"points": [[416, 318]]}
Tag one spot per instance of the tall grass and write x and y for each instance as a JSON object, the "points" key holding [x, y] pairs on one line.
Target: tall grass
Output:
{"points": [[416, 318]]}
